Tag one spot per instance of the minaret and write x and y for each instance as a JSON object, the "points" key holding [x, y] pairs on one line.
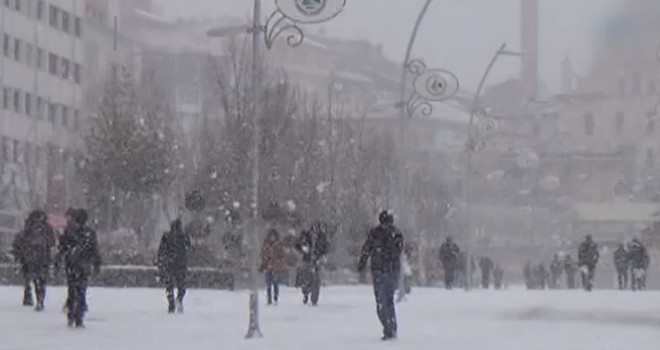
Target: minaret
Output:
{"points": [[529, 43]]}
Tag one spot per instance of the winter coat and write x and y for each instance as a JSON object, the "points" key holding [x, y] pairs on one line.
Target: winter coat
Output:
{"points": [[273, 255], [588, 254], [639, 257], [173, 251], [383, 246], [556, 267], [621, 259], [32, 247], [79, 249], [313, 245], [449, 254]]}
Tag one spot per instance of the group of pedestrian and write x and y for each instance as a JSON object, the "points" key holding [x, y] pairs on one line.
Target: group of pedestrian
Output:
{"points": [[537, 276], [77, 252], [632, 263], [454, 264]]}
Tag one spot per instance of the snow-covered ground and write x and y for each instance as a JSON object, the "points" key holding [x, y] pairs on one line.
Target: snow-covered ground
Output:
{"points": [[431, 319]]}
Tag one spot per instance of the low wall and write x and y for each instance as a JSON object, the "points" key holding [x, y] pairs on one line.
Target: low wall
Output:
{"points": [[133, 276]]}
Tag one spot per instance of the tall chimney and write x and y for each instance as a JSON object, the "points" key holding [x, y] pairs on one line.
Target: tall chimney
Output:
{"points": [[529, 42]]}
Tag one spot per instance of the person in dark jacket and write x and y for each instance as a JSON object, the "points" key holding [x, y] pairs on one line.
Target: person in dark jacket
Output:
{"points": [[486, 266], [80, 253], [172, 262], [621, 263], [588, 256], [556, 268], [32, 249], [313, 246], [449, 257], [273, 262], [639, 262], [383, 247], [528, 274], [570, 268], [542, 276], [498, 277]]}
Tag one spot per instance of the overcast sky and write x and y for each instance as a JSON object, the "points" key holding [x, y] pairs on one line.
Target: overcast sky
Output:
{"points": [[459, 35]]}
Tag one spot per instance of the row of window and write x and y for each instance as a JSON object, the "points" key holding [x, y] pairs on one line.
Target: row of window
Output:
{"points": [[619, 120], [35, 57], [57, 17], [26, 103], [636, 86], [23, 152]]}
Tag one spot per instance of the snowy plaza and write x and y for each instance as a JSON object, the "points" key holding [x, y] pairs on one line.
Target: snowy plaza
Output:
{"points": [[345, 319]]}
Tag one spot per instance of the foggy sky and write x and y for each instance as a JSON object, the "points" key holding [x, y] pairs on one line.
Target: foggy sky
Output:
{"points": [[459, 35]]}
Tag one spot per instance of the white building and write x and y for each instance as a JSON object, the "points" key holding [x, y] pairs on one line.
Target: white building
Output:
{"points": [[41, 99]]}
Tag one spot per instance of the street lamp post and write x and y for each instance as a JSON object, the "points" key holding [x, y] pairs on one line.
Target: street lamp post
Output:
{"points": [[485, 127], [287, 17], [429, 85]]}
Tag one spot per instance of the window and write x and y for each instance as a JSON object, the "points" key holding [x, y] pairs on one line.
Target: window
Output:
{"points": [[650, 122], [618, 123], [6, 45], [76, 73], [589, 124], [40, 108], [650, 158], [6, 98], [53, 16], [40, 9], [40, 58], [28, 55], [28, 103], [17, 101], [76, 120], [65, 116], [17, 4], [16, 151], [8, 3], [65, 21], [52, 113], [52, 64], [17, 49], [78, 27], [65, 68], [636, 88], [5, 148]]}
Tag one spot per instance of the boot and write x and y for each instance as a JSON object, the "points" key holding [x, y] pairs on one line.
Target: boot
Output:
{"points": [[179, 306], [27, 297]]}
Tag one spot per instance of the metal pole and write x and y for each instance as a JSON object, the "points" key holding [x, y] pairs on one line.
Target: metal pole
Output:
{"points": [[468, 176], [253, 327], [403, 129]]}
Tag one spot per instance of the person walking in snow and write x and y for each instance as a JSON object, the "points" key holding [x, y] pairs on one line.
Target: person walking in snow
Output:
{"points": [[542, 276], [383, 247], [570, 268], [556, 268], [273, 260], [588, 256], [79, 251], [498, 277], [313, 246], [528, 274], [622, 265], [449, 257], [172, 262], [486, 265], [32, 249], [639, 262]]}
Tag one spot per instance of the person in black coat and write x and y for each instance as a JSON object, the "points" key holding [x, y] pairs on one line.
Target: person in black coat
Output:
{"points": [[498, 277], [449, 257], [621, 263], [80, 253], [486, 265], [570, 268], [32, 249], [313, 246], [172, 263], [639, 262], [383, 247], [588, 256]]}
